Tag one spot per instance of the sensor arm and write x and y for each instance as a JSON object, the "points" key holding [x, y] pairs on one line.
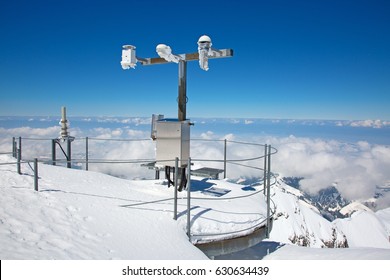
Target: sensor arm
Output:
{"points": [[186, 57]]}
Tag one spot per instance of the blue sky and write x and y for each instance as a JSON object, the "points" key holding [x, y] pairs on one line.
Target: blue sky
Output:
{"points": [[292, 59]]}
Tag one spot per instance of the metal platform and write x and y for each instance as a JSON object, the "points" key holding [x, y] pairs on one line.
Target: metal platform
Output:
{"points": [[207, 172]]}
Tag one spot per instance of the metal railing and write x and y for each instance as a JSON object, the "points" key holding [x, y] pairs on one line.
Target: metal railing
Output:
{"points": [[262, 160]]}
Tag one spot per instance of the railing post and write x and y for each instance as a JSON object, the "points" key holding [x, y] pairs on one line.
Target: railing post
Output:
{"points": [[189, 199], [53, 151], [13, 147], [265, 169], [69, 152], [269, 192], [36, 174], [19, 157], [175, 192], [20, 147], [224, 159], [86, 153]]}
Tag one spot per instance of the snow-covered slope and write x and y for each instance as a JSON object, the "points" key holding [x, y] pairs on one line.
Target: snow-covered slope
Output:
{"points": [[298, 222], [291, 252], [85, 215], [384, 216], [364, 229], [352, 208], [88, 215], [76, 215]]}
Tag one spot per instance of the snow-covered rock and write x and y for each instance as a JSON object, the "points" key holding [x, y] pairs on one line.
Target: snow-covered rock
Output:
{"points": [[364, 229], [353, 207], [298, 222]]}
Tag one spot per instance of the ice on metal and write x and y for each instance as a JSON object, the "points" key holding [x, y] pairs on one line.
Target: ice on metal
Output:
{"points": [[129, 59], [165, 52]]}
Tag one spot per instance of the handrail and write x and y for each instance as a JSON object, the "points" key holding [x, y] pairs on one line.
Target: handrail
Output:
{"points": [[259, 222]]}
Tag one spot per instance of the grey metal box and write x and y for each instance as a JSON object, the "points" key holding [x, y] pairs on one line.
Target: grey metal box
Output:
{"points": [[173, 140]]}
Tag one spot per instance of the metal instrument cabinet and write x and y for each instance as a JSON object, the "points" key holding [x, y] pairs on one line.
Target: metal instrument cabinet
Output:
{"points": [[173, 140]]}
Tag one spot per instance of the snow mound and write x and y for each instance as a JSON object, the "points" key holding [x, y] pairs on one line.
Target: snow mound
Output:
{"points": [[88, 215], [291, 252], [364, 229], [353, 207], [76, 215], [299, 222], [384, 216]]}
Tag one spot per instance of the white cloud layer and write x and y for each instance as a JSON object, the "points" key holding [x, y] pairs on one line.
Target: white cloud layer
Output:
{"points": [[364, 123], [355, 169]]}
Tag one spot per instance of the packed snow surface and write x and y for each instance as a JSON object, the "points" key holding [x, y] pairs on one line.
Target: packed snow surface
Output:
{"points": [[291, 252], [87, 215]]}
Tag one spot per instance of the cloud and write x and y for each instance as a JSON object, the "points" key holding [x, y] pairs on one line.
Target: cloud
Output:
{"points": [[207, 135], [384, 201], [30, 132], [364, 123], [136, 120], [355, 169], [368, 123]]}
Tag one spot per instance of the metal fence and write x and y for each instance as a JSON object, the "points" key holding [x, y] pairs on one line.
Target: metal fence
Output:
{"points": [[260, 161]]}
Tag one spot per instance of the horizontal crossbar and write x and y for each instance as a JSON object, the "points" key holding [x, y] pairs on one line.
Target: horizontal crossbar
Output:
{"points": [[186, 57]]}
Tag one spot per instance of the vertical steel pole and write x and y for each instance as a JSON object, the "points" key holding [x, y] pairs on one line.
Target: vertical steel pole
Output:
{"points": [[36, 174], [224, 159], [86, 153], [20, 147], [265, 169], [69, 153], [182, 99], [157, 174], [13, 147], [53, 152], [268, 192], [168, 175], [19, 157], [189, 199], [175, 192]]}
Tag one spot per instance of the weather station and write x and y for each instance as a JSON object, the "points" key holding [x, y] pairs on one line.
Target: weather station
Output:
{"points": [[220, 217], [172, 135]]}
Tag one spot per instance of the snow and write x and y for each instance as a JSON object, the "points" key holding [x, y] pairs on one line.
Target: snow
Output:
{"points": [[292, 252], [384, 216], [298, 222], [353, 207], [372, 232], [88, 215], [76, 215]]}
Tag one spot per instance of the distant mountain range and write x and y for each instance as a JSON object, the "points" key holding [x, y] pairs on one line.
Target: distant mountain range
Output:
{"points": [[330, 202], [326, 219]]}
